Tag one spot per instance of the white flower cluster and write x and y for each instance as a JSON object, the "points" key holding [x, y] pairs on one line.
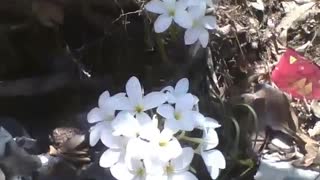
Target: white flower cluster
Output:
{"points": [[189, 14], [141, 147]]}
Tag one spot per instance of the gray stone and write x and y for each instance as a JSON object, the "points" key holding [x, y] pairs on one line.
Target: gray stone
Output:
{"points": [[5, 137], [283, 171], [2, 176]]}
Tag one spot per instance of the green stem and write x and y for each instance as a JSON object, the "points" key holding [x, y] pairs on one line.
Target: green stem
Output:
{"points": [[193, 140], [162, 49]]}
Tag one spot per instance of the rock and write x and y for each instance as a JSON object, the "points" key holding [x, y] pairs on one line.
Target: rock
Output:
{"points": [[28, 144], [5, 137], [57, 168], [13, 127], [2, 176], [17, 162], [19, 135], [283, 171]]}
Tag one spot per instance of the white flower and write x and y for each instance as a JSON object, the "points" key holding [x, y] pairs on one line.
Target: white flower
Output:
{"points": [[151, 143], [136, 102], [210, 136], [177, 168], [214, 161], [133, 166], [200, 24], [102, 116], [181, 117], [121, 171], [210, 139], [162, 144], [179, 90], [116, 152], [169, 10], [125, 124], [101, 129]]}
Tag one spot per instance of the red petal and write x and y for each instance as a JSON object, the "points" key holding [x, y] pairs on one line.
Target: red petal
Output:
{"points": [[297, 76]]}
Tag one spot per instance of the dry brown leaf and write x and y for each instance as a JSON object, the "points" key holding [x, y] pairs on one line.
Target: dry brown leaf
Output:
{"points": [[290, 18], [257, 5], [315, 107], [312, 152]]}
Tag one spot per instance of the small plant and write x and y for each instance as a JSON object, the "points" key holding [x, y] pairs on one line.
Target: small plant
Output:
{"points": [[143, 133]]}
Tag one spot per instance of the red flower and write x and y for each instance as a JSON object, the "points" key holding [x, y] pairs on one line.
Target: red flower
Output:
{"points": [[297, 76]]}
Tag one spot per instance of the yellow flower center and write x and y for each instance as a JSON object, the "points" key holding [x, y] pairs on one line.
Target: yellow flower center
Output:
{"points": [[140, 172], [177, 116], [163, 143], [172, 12], [139, 108], [169, 169]]}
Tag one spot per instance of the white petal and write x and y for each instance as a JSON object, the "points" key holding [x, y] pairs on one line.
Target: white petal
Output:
{"points": [[211, 123], [173, 124], [94, 136], [121, 172], [166, 134], [104, 96], [134, 90], [191, 36], [183, 18], [214, 172], [153, 99], [209, 22], [135, 164], [195, 100], [104, 101], [171, 150], [187, 122], [109, 140], [170, 98], [182, 4], [154, 166], [94, 115], [204, 37], [168, 92], [155, 177], [137, 149], [156, 6], [166, 111], [143, 118], [149, 132], [182, 86], [170, 3], [184, 176], [162, 23], [196, 12], [109, 158], [211, 139], [185, 102], [183, 161], [197, 118], [214, 158], [118, 102], [167, 89], [125, 124]]}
